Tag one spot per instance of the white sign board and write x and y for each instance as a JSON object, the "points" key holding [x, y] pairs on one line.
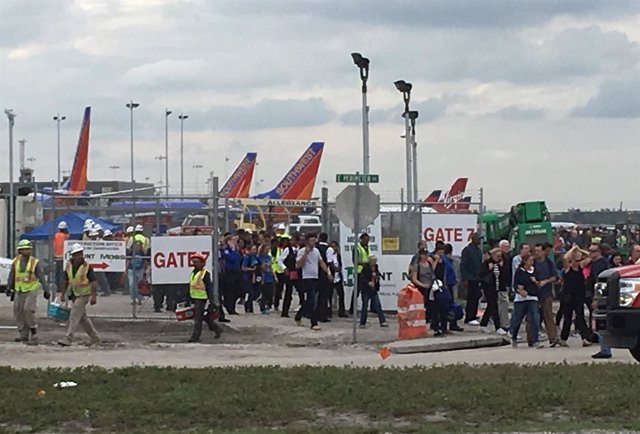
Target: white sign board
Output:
{"points": [[171, 257], [393, 268], [454, 229], [107, 256]]}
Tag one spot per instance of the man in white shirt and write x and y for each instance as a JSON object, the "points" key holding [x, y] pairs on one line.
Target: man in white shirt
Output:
{"points": [[524, 248], [310, 261]]}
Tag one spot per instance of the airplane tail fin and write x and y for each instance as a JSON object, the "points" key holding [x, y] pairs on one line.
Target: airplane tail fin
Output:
{"points": [[77, 181], [433, 198], [300, 181], [452, 197], [239, 183], [464, 204]]}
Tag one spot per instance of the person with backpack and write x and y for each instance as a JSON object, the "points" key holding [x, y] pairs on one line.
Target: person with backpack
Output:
{"points": [[287, 262], [369, 288]]}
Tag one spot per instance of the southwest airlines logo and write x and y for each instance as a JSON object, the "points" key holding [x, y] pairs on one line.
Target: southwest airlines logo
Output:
{"points": [[239, 175], [299, 169]]}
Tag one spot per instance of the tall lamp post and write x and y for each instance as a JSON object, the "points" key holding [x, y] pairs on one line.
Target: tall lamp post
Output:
{"points": [[12, 217], [405, 89], [131, 106], [413, 115], [197, 167], [167, 113], [59, 119], [182, 117], [363, 65]]}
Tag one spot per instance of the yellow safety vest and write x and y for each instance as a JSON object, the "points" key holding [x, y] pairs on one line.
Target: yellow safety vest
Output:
{"points": [[362, 256], [197, 289], [25, 280], [79, 284], [274, 262], [144, 240]]}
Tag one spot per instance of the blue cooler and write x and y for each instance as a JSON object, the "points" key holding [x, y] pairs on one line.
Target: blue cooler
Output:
{"points": [[58, 312]]}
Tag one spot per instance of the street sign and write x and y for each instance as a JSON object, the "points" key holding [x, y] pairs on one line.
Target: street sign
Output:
{"points": [[346, 206], [352, 178], [108, 256]]}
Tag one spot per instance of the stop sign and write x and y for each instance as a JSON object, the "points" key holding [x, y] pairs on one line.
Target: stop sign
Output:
{"points": [[346, 206]]}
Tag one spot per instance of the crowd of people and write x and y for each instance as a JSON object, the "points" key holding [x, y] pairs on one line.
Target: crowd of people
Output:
{"points": [[264, 271], [566, 270]]}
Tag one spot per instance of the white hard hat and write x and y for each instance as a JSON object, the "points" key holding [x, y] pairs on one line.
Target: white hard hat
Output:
{"points": [[93, 233], [76, 248], [86, 228], [249, 231], [97, 227], [139, 228], [107, 233], [281, 226], [130, 229], [88, 222], [62, 225]]}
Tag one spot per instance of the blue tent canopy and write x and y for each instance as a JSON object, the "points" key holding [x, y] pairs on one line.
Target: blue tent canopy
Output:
{"points": [[75, 224]]}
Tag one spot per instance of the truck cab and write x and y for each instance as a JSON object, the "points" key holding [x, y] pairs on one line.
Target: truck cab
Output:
{"points": [[617, 313]]}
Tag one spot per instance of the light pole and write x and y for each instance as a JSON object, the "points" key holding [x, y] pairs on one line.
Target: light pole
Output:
{"points": [[405, 88], [114, 168], [12, 217], [413, 115], [182, 117], [363, 64], [197, 167], [167, 113], [59, 119], [132, 105]]}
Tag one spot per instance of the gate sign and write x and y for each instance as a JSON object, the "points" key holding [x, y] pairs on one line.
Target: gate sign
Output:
{"points": [[107, 256], [454, 229], [171, 257]]}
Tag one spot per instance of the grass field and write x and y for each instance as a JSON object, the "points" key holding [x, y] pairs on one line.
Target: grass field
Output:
{"points": [[497, 398]]}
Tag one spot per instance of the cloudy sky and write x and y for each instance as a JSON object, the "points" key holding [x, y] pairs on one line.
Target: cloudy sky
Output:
{"points": [[531, 99]]}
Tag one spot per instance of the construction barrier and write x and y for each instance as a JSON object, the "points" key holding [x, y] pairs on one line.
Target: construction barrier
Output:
{"points": [[411, 313]]}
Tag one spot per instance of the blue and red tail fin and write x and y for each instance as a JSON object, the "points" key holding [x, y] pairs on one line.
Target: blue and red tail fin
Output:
{"points": [[239, 183], [77, 181], [299, 182], [432, 199]]}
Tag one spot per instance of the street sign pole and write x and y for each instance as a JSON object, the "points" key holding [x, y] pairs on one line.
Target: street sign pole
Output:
{"points": [[356, 230]]}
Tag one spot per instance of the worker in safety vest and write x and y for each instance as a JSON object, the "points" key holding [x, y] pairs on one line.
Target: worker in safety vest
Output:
{"points": [[139, 236], [277, 248], [201, 290], [58, 250], [360, 258], [81, 281], [25, 279]]}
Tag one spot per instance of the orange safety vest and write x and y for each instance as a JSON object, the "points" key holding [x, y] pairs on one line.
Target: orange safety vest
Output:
{"points": [[411, 313], [58, 244]]}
